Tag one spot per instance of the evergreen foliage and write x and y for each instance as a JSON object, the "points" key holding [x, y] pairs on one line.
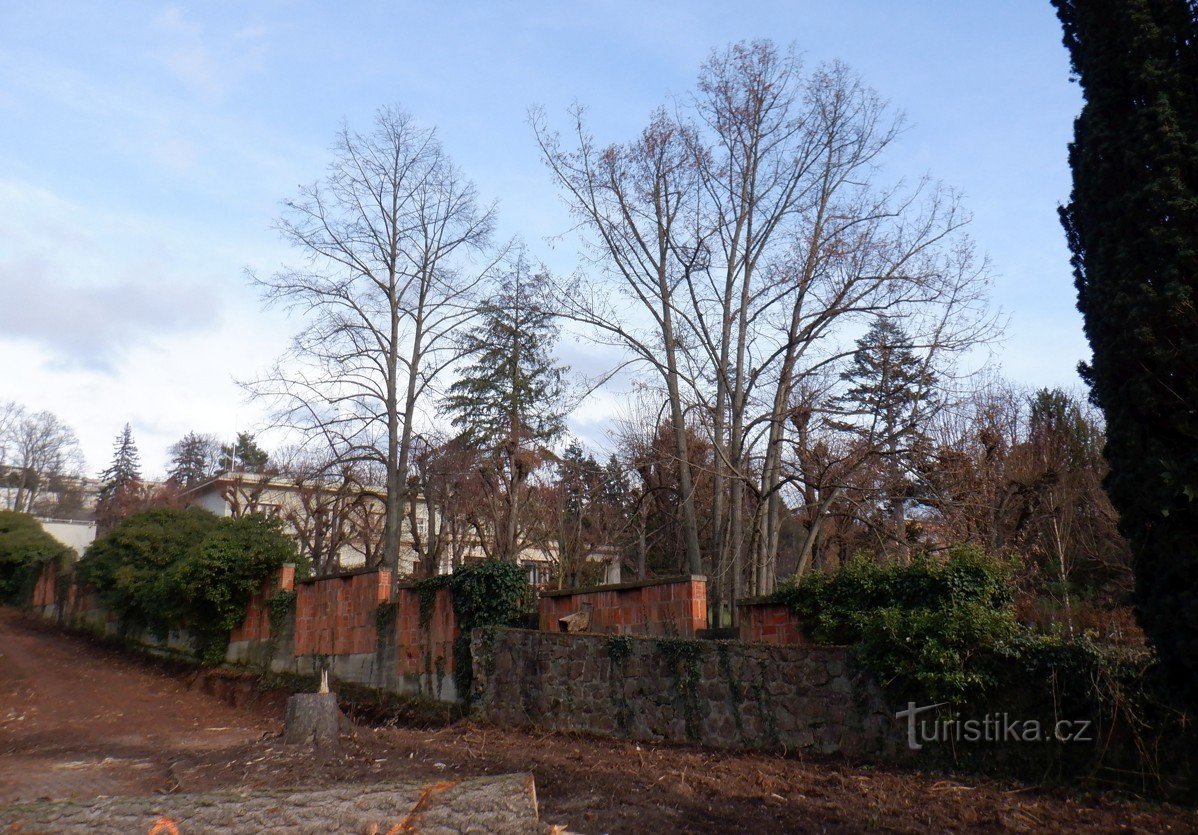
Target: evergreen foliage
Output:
{"points": [[488, 593], [193, 459], [511, 391], [24, 549], [888, 400], [167, 569], [1132, 225], [124, 473], [243, 455], [889, 384]]}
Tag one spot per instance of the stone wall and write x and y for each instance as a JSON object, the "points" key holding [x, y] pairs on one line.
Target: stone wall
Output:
{"points": [[725, 694], [672, 606]]}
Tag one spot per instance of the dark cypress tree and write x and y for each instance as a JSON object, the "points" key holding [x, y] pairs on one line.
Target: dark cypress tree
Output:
{"points": [[1132, 225]]}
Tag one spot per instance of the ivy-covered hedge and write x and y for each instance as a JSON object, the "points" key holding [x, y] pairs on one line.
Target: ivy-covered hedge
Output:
{"points": [[489, 593], [935, 628], [944, 630], [169, 569], [25, 548]]}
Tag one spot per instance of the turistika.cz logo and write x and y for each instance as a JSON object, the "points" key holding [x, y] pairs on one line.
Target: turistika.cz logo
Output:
{"points": [[993, 727]]}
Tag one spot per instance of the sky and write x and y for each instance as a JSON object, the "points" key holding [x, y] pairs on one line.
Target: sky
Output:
{"points": [[145, 150]]}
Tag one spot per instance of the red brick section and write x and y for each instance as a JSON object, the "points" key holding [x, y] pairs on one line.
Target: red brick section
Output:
{"points": [[423, 650], [339, 615], [768, 623], [655, 607], [44, 588], [256, 626]]}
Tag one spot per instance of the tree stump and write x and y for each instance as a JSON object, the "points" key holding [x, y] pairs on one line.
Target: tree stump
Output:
{"points": [[314, 718]]}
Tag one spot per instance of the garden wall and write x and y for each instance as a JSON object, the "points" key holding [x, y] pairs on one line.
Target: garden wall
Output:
{"points": [[262, 636], [724, 694], [673, 606], [764, 622], [424, 640], [337, 622]]}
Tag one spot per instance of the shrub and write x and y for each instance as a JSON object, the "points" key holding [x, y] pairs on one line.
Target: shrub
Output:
{"points": [[933, 628], [129, 566], [219, 575], [168, 569], [24, 549]]}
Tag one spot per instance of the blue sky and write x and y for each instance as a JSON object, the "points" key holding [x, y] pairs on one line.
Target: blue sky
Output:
{"points": [[144, 149]]}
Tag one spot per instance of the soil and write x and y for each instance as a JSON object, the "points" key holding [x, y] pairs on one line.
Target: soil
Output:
{"points": [[79, 720]]}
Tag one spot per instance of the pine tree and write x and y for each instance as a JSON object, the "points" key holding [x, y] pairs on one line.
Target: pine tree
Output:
{"points": [[243, 455], [1132, 225], [889, 397], [193, 459], [508, 401], [511, 392], [120, 484]]}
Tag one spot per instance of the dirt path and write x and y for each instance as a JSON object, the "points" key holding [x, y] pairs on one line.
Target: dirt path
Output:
{"points": [[79, 721]]}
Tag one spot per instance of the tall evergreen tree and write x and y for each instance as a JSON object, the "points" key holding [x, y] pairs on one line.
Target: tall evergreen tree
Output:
{"points": [[193, 459], [889, 397], [1132, 225], [120, 483], [511, 393], [508, 401], [125, 470]]}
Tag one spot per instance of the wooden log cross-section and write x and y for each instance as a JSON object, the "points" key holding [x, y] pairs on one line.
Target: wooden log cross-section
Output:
{"points": [[579, 621], [506, 803]]}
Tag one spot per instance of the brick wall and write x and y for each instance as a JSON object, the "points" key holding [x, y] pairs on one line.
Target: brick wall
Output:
{"points": [[339, 615], [675, 606], [425, 650], [763, 622], [45, 589], [256, 626]]}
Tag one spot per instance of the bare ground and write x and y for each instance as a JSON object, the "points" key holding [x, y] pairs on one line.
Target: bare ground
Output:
{"points": [[80, 721]]}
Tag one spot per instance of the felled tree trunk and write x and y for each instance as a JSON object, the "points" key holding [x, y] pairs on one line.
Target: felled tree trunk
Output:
{"points": [[314, 719]]}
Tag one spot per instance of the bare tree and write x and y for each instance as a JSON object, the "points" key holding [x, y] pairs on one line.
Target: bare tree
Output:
{"points": [[42, 451], [753, 239], [387, 277]]}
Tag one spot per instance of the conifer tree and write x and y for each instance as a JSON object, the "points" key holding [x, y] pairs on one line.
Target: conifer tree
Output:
{"points": [[508, 400], [1132, 225], [120, 484], [889, 397], [243, 455], [511, 393], [193, 459]]}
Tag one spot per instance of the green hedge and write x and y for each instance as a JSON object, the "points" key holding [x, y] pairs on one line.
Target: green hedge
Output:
{"points": [[25, 548], [934, 628], [169, 569], [945, 631]]}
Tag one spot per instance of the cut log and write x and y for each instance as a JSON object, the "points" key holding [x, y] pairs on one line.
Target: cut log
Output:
{"points": [[580, 621], [314, 719]]}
